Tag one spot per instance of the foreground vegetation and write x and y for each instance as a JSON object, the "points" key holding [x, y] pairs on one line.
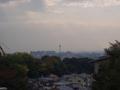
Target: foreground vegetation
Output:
{"points": [[15, 69], [108, 77]]}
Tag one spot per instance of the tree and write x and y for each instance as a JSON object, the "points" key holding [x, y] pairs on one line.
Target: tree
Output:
{"points": [[14, 69], [51, 65], [78, 65], [108, 78]]}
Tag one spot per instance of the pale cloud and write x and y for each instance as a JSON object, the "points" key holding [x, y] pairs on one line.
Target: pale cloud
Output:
{"points": [[51, 2], [83, 3], [62, 3], [63, 20], [11, 3]]}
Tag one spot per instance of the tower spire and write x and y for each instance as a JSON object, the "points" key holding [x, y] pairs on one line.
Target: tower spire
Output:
{"points": [[60, 48]]}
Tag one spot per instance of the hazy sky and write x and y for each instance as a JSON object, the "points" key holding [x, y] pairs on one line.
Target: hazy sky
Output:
{"points": [[78, 25]]}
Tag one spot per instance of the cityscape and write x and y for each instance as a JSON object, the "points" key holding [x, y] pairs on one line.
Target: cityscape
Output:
{"points": [[59, 44]]}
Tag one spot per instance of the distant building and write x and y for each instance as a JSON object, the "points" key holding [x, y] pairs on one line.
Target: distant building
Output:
{"points": [[68, 54], [99, 62]]}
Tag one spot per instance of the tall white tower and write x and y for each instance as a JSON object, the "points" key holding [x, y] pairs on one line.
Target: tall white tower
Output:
{"points": [[60, 48]]}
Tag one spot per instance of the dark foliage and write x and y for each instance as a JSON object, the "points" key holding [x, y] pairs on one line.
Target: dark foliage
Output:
{"points": [[108, 77], [78, 65]]}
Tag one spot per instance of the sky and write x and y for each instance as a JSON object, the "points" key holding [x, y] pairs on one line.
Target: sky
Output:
{"points": [[78, 25]]}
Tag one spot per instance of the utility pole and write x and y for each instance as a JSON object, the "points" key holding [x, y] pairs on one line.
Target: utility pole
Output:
{"points": [[2, 53]]}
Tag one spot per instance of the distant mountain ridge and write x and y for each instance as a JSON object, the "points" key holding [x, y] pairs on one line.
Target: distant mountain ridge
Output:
{"points": [[92, 55]]}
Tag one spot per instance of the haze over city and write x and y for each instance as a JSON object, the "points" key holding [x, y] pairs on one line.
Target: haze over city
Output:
{"points": [[78, 25]]}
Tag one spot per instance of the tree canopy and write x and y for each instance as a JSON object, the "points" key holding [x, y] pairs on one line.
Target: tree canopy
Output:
{"points": [[108, 78]]}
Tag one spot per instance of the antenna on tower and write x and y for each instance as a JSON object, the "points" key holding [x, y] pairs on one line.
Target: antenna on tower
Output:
{"points": [[60, 48]]}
